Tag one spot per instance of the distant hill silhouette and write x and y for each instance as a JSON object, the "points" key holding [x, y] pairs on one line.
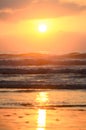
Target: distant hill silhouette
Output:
{"points": [[41, 55], [75, 55]]}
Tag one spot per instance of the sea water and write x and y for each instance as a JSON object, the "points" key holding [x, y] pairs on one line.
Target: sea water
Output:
{"points": [[24, 98], [42, 85]]}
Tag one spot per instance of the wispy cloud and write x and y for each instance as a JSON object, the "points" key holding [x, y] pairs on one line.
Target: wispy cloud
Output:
{"points": [[73, 6], [13, 4], [32, 8]]}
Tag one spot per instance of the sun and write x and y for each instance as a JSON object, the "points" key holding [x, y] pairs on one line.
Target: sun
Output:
{"points": [[42, 28]]}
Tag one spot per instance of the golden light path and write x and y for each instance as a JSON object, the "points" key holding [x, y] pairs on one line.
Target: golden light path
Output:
{"points": [[36, 119], [42, 99], [41, 119]]}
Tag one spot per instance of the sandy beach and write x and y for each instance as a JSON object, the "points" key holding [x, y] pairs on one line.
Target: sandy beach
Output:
{"points": [[42, 119]]}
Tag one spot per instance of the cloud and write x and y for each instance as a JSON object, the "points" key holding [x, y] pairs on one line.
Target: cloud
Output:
{"points": [[9, 7], [38, 8], [4, 15], [16, 4], [73, 6], [13, 4]]}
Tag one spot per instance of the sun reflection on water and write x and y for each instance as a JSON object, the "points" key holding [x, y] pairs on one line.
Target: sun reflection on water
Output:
{"points": [[41, 121], [42, 99]]}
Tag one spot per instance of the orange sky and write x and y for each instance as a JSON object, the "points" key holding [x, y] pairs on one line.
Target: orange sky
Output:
{"points": [[65, 21]]}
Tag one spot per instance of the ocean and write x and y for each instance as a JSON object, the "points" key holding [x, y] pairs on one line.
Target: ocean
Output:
{"points": [[43, 81]]}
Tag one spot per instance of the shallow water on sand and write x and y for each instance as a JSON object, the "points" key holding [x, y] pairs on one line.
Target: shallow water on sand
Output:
{"points": [[31, 98], [42, 119]]}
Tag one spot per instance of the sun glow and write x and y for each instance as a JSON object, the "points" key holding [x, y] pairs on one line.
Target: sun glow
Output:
{"points": [[42, 28]]}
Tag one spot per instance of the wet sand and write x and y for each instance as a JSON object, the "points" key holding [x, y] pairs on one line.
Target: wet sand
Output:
{"points": [[43, 119]]}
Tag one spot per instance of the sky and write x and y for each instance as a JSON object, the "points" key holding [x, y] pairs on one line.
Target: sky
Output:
{"points": [[65, 21]]}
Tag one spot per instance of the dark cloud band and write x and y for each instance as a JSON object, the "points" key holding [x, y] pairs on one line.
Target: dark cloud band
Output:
{"points": [[44, 6], [13, 4]]}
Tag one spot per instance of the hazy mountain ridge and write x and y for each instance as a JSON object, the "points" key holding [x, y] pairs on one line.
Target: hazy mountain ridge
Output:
{"points": [[42, 59], [42, 55]]}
